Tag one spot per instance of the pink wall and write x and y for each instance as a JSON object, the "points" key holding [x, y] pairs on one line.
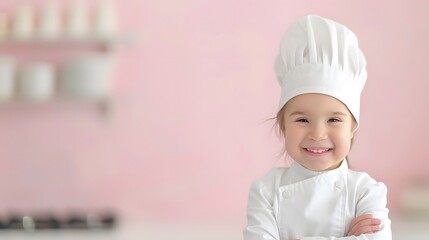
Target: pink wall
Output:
{"points": [[192, 95]]}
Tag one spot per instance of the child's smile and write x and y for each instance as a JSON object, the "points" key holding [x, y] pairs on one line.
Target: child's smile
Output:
{"points": [[318, 151]]}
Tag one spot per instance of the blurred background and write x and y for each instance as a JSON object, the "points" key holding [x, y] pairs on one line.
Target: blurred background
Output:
{"points": [[156, 113]]}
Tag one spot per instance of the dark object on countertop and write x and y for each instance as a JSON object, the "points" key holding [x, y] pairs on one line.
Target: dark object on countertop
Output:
{"points": [[91, 221], [49, 221], [14, 222]]}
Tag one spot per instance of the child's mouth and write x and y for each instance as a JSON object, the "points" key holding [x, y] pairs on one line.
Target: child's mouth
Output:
{"points": [[318, 151]]}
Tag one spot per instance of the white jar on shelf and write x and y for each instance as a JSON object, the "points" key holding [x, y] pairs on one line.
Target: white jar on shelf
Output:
{"points": [[50, 22], [36, 81], [106, 22], [4, 26], [7, 78], [87, 77], [23, 23], [78, 20]]}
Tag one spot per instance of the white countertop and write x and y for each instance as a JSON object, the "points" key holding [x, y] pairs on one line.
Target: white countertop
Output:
{"points": [[403, 229], [135, 231]]}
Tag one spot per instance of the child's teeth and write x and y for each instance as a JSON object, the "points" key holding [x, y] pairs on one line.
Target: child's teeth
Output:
{"points": [[318, 150]]}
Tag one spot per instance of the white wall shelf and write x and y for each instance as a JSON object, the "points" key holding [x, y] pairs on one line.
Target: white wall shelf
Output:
{"points": [[67, 42]]}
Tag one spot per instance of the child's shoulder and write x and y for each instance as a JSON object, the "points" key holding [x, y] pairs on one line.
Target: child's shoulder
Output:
{"points": [[274, 173], [363, 181], [273, 178], [359, 176]]}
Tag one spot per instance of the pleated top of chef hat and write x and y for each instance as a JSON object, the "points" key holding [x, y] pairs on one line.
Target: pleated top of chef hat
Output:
{"points": [[318, 55]]}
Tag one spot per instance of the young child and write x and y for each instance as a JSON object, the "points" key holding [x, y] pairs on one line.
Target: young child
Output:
{"points": [[322, 72]]}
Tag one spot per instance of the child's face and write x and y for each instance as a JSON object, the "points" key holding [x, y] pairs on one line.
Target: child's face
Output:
{"points": [[318, 131]]}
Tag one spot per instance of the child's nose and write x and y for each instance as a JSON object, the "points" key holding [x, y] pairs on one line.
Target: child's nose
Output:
{"points": [[318, 133]]}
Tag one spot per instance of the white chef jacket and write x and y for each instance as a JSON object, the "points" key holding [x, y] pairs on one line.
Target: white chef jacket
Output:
{"points": [[297, 203]]}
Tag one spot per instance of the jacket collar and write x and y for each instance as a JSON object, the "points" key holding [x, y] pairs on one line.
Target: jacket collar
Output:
{"points": [[300, 173]]}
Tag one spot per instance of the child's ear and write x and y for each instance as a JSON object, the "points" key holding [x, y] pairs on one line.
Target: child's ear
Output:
{"points": [[354, 128]]}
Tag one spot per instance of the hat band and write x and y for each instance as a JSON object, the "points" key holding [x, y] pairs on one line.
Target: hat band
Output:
{"points": [[324, 80]]}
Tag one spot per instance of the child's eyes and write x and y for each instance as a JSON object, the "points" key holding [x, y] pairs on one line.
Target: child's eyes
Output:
{"points": [[334, 120], [331, 120], [302, 120]]}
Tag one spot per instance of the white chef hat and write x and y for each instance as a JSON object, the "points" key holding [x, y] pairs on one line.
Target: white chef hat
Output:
{"points": [[318, 55]]}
